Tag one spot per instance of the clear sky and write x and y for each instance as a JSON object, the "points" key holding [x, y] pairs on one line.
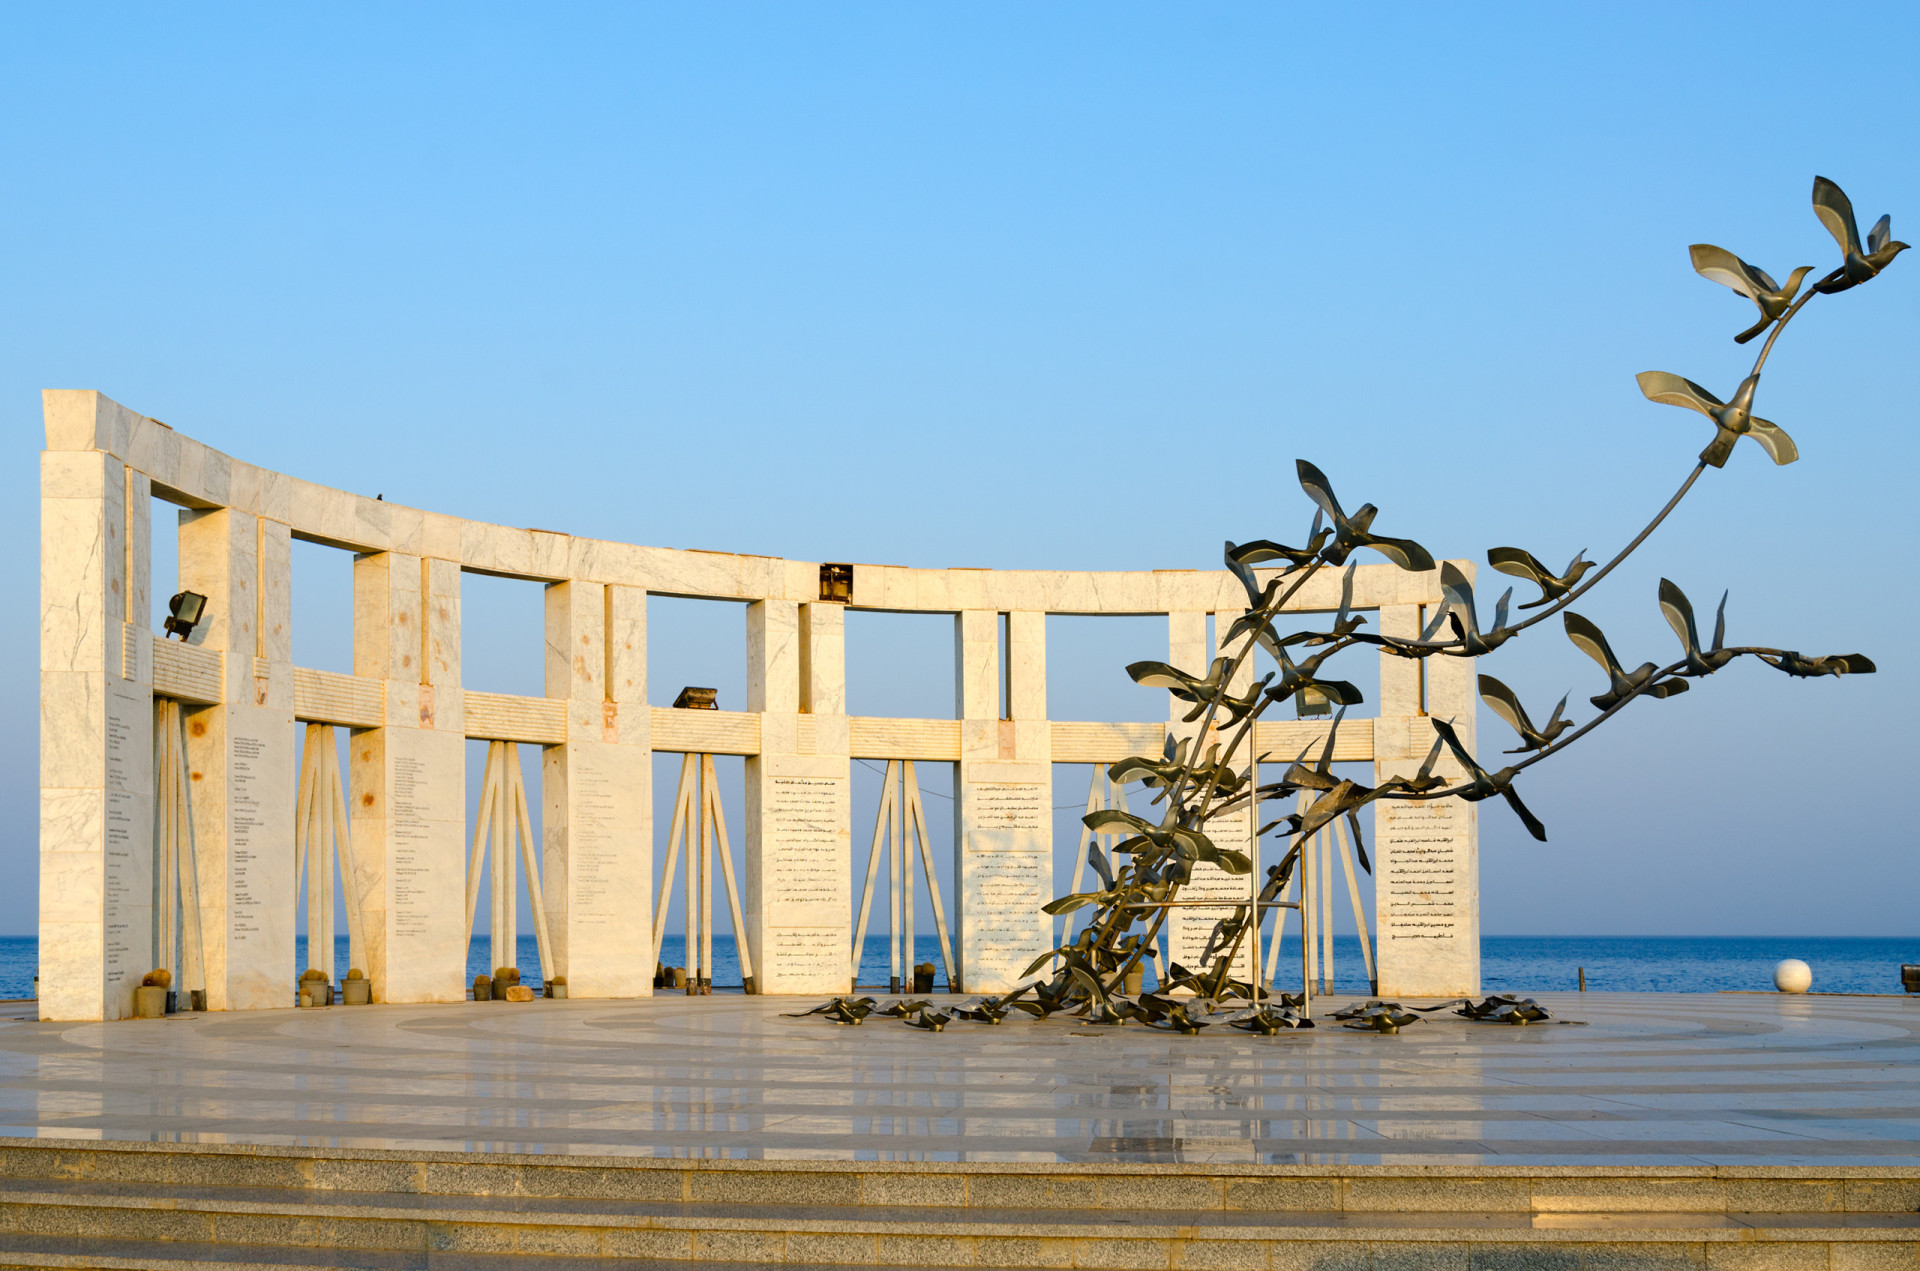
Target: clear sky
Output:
{"points": [[1064, 285]]}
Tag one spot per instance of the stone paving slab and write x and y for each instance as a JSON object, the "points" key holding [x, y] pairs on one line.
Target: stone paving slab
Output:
{"points": [[1648, 1080]]}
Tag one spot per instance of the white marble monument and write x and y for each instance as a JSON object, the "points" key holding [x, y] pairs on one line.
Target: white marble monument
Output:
{"points": [[108, 831]]}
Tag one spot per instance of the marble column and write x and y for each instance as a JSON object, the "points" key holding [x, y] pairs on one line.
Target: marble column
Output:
{"points": [[596, 791], [1426, 852], [96, 737], [1003, 805], [241, 757], [1191, 650], [408, 803], [799, 812]]}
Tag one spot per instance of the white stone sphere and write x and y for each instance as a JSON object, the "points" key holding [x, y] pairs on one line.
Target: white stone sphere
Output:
{"points": [[1793, 976]]}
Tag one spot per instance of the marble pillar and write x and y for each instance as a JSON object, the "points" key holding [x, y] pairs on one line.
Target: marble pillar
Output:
{"points": [[799, 809], [241, 763], [1426, 852], [408, 778], [96, 741], [596, 792], [1190, 648], [1003, 805]]}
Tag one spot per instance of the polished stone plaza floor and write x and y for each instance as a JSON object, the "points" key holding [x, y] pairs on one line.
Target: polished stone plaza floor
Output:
{"points": [[1666, 1079]]}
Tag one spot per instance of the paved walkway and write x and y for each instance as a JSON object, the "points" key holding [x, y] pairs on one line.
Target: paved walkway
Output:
{"points": [[1652, 1079]]}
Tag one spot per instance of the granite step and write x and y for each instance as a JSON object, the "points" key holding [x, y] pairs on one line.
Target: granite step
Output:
{"points": [[290, 1227]]}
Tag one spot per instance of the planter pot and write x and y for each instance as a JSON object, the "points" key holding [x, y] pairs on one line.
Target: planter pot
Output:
{"points": [[305, 999], [197, 1000], [556, 990], [500, 987], [149, 1002], [1134, 980], [357, 992]]}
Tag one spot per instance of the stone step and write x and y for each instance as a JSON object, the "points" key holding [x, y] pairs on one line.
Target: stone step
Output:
{"points": [[296, 1226], [1107, 1188]]}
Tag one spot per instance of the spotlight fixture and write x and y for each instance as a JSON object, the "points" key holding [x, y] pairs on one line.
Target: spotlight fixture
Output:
{"points": [[836, 583], [1311, 700], [184, 613], [697, 699]]}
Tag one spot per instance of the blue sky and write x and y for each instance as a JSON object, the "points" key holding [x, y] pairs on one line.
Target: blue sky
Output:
{"points": [[1036, 286]]}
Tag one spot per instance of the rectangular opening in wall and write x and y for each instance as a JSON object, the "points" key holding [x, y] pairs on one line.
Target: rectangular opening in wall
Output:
{"points": [[684, 786], [696, 644], [322, 606], [163, 560], [900, 665], [503, 813], [1006, 666], [1087, 657], [503, 634], [932, 782]]}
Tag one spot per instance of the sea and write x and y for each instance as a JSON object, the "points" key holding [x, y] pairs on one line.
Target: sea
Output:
{"points": [[1508, 964]]}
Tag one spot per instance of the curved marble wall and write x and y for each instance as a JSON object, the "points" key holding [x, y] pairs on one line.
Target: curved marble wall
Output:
{"points": [[409, 715]]}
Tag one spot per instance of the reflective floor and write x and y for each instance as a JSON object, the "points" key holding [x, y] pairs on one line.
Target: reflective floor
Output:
{"points": [[1650, 1079]]}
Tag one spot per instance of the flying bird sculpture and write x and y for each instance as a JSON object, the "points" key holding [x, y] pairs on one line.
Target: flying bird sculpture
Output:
{"points": [[1717, 264], [1506, 704], [1523, 564], [1733, 419], [1858, 264], [1621, 684]]}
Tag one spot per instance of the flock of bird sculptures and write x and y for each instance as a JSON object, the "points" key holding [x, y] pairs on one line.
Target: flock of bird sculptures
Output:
{"points": [[1199, 784]]}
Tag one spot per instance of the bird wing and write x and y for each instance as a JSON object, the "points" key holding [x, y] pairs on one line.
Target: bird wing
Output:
{"points": [[1720, 624], [1854, 663], [1835, 210], [1446, 733], [1877, 236], [1672, 390], [1717, 264], [1518, 562], [1506, 704], [1679, 611], [1532, 822], [1774, 440], [1319, 489], [1588, 639], [1403, 552], [1160, 675]]}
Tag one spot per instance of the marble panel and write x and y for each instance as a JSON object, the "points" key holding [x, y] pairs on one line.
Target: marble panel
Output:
{"points": [[799, 862], [597, 866], [627, 647], [773, 657], [408, 810], [823, 658], [1426, 894], [1003, 871]]}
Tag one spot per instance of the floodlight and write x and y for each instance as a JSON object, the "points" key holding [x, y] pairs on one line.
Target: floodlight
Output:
{"points": [[184, 613], [697, 699], [836, 583]]}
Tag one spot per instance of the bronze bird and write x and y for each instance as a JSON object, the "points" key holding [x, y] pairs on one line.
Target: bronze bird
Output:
{"points": [[1242, 557], [1484, 785], [1506, 704], [1459, 611], [1679, 611], [931, 1020], [1833, 664], [1735, 419], [1717, 264], [1523, 564], [1351, 533], [1621, 684], [1835, 211], [841, 1010]]}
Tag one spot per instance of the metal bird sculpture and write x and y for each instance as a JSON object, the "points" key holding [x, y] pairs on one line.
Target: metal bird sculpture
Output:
{"points": [[1858, 264], [1621, 684], [1523, 564], [1506, 704], [1350, 533], [1833, 664], [1717, 264], [1207, 782], [1482, 784], [1734, 419], [1679, 611], [1458, 608]]}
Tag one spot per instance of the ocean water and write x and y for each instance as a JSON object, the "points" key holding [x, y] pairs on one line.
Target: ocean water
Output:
{"points": [[1509, 964]]}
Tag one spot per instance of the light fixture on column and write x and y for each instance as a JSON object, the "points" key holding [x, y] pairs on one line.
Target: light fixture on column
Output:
{"points": [[184, 612], [836, 583], [697, 699]]}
